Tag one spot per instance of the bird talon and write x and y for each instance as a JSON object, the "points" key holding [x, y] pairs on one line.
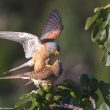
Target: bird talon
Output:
{"points": [[47, 65], [48, 59], [46, 83], [56, 52]]}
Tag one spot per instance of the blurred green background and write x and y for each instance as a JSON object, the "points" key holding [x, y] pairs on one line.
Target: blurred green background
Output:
{"points": [[78, 53]]}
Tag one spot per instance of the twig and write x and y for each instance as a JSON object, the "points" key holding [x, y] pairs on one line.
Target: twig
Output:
{"points": [[93, 102], [65, 106], [6, 108]]}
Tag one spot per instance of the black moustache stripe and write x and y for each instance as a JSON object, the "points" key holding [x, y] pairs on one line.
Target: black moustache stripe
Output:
{"points": [[46, 40]]}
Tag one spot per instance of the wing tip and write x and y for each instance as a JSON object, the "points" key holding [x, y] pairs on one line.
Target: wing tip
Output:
{"points": [[54, 22], [55, 10], [57, 13]]}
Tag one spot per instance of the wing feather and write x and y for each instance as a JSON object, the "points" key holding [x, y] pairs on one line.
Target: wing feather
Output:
{"points": [[30, 42], [54, 22]]}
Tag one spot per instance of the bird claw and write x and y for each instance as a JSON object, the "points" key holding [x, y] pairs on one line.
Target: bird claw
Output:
{"points": [[56, 52], [41, 83], [37, 82], [48, 66]]}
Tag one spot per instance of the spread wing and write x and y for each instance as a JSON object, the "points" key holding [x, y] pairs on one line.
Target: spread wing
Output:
{"points": [[30, 42], [54, 23]]}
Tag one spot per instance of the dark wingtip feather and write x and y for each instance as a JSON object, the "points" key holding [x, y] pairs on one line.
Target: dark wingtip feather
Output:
{"points": [[54, 21]]}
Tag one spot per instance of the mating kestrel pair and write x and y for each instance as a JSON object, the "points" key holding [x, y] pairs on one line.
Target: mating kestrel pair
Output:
{"points": [[39, 50]]}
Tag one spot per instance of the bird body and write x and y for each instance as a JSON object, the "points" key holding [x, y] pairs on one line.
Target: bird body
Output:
{"points": [[36, 49], [47, 73], [40, 56], [52, 34]]}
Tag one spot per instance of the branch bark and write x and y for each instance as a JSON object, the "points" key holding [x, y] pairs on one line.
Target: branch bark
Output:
{"points": [[93, 102], [65, 107]]}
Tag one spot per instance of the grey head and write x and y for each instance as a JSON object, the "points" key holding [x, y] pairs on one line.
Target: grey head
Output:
{"points": [[53, 47]]}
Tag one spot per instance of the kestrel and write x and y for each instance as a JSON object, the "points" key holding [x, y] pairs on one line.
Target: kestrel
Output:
{"points": [[46, 74], [38, 50]]}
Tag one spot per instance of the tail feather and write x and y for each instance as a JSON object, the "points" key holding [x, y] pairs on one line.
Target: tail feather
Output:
{"points": [[30, 63], [14, 77]]}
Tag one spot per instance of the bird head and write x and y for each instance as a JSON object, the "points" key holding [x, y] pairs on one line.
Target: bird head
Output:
{"points": [[53, 48], [57, 68]]}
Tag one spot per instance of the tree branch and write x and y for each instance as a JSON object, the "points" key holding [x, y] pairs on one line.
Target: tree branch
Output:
{"points": [[93, 102], [65, 106]]}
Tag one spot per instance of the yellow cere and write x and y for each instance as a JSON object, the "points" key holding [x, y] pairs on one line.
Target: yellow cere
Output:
{"points": [[47, 65]]}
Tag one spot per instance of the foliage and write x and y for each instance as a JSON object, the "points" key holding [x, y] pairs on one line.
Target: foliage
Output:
{"points": [[100, 23], [67, 92], [83, 96], [104, 106], [105, 90]]}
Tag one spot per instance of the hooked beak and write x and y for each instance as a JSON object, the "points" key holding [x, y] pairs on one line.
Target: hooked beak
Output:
{"points": [[56, 52]]}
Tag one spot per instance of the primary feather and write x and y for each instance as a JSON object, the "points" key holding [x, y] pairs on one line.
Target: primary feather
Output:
{"points": [[53, 24]]}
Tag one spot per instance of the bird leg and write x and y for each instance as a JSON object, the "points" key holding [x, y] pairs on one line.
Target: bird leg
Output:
{"points": [[47, 65], [41, 83]]}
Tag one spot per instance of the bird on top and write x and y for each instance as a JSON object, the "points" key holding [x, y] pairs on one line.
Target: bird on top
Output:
{"points": [[38, 50]]}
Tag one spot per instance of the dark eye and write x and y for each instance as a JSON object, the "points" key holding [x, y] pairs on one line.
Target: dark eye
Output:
{"points": [[58, 48], [61, 27]]}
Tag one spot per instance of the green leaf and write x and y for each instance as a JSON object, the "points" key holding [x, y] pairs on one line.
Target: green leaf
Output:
{"points": [[90, 21], [94, 31], [104, 106], [41, 92], [95, 96], [107, 43], [69, 83], [78, 93], [47, 88], [106, 59], [84, 79], [106, 20], [86, 104], [98, 9], [101, 31], [100, 37], [49, 97], [23, 100], [62, 87], [57, 97], [72, 94], [93, 84], [105, 90], [107, 6]]}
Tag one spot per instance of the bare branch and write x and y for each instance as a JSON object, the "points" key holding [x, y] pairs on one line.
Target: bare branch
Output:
{"points": [[65, 106], [93, 102]]}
